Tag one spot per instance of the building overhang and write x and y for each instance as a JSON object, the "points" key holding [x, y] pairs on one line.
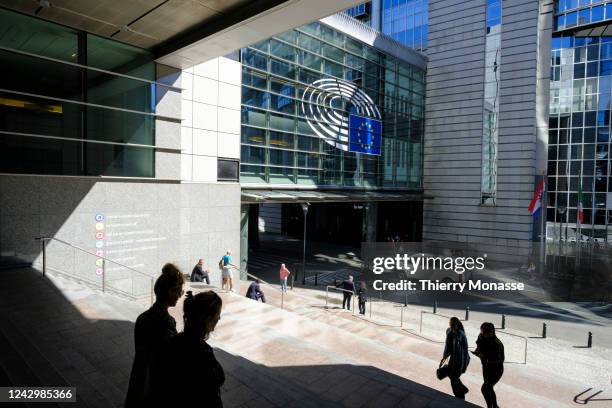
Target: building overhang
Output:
{"points": [[257, 196], [183, 33]]}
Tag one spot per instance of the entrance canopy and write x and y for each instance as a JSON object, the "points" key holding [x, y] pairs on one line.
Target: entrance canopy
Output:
{"points": [[297, 196]]}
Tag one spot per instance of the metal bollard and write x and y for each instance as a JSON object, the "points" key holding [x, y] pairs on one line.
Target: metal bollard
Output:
{"points": [[503, 325], [590, 340], [435, 306], [316, 279], [406, 299], [292, 281], [467, 313], [543, 330]]}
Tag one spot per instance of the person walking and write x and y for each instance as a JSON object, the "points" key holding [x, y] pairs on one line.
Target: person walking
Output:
{"points": [[152, 331], [491, 352], [284, 274], [254, 291], [362, 293], [188, 374], [227, 283], [348, 287], [199, 274], [456, 351]]}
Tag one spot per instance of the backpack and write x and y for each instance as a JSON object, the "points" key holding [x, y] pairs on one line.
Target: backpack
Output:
{"points": [[221, 264]]}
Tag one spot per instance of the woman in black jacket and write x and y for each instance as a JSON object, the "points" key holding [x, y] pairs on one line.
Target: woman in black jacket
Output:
{"points": [[456, 347], [491, 352]]}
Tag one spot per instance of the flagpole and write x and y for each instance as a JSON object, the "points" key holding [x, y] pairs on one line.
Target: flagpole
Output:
{"points": [[543, 221]]}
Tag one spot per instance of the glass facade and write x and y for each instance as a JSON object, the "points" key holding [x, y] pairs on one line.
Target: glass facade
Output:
{"points": [[406, 21], [488, 188], [575, 13], [279, 145], [72, 103], [579, 133]]}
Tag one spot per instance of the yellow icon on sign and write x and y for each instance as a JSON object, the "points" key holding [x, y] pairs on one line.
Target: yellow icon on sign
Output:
{"points": [[99, 262], [99, 226]]}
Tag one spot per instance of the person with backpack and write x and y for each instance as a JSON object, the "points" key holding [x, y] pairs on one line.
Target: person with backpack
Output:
{"points": [[225, 264], [491, 352], [456, 351]]}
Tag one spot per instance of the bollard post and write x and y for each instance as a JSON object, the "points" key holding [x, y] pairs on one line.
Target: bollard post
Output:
{"points": [[435, 306], [282, 299], [543, 330], [406, 299], [401, 317], [370, 302], [467, 313], [590, 340], [317, 279], [503, 326], [292, 281]]}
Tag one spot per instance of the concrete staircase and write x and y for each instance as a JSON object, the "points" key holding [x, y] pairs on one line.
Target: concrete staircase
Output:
{"points": [[57, 332]]}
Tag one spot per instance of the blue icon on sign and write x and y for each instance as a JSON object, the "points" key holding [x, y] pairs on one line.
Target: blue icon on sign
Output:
{"points": [[99, 217], [99, 244]]}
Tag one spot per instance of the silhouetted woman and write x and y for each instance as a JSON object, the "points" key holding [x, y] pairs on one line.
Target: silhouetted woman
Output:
{"points": [[456, 348], [491, 352], [152, 331], [188, 358]]}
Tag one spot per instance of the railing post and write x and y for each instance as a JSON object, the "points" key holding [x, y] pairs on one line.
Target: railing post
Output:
{"points": [[525, 350], [503, 325], [292, 280], [401, 317], [370, 302], [104, 275], [421, 323], [353, 303], [326, 295], [467, 313], [317, 279], [435, 310], [44, 251], [282, 299], [543, 330], [590, 340]]}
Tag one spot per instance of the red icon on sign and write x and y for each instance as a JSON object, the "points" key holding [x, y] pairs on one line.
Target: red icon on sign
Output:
{"points": [[99, 235], [99, 252]]}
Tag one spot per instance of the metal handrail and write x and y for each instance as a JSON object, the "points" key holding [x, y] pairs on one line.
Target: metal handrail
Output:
{"points": [[44, 240], [327, 287]]}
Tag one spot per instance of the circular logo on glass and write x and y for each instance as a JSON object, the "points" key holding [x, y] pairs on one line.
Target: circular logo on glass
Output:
{"points": [[327, 105]]}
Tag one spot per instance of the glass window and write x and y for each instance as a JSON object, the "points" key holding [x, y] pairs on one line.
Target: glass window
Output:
{"points": [[282, 50]]}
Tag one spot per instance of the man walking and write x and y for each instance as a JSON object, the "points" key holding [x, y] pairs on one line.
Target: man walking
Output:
{"points": [[199, 274], [491, 352], [349, 289], [226, 265], [284, 274]]}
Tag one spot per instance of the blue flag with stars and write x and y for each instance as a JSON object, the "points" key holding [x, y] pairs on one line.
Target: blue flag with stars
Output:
{"points": [[365, 135]]}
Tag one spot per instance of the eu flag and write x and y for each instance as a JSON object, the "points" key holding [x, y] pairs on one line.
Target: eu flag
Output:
{"points": [[365, 135]]}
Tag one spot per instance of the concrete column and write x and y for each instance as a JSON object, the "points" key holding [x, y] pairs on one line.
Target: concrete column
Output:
{"points": [[376, 16], [244, 240], [370, 221]]}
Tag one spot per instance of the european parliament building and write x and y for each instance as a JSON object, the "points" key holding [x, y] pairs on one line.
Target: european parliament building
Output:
{"points": [[143, 146]]}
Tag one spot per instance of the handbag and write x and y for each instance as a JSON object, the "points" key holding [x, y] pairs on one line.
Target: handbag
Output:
{"points": [[442, 371]]}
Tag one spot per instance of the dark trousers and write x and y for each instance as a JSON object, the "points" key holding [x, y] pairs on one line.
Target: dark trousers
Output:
{"points": [[459, 389], [346, 300], [491, 374], [362, 306], [207, 279]]}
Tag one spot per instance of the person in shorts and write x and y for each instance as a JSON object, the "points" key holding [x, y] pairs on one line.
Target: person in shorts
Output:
{"points": [[226, 271]]}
